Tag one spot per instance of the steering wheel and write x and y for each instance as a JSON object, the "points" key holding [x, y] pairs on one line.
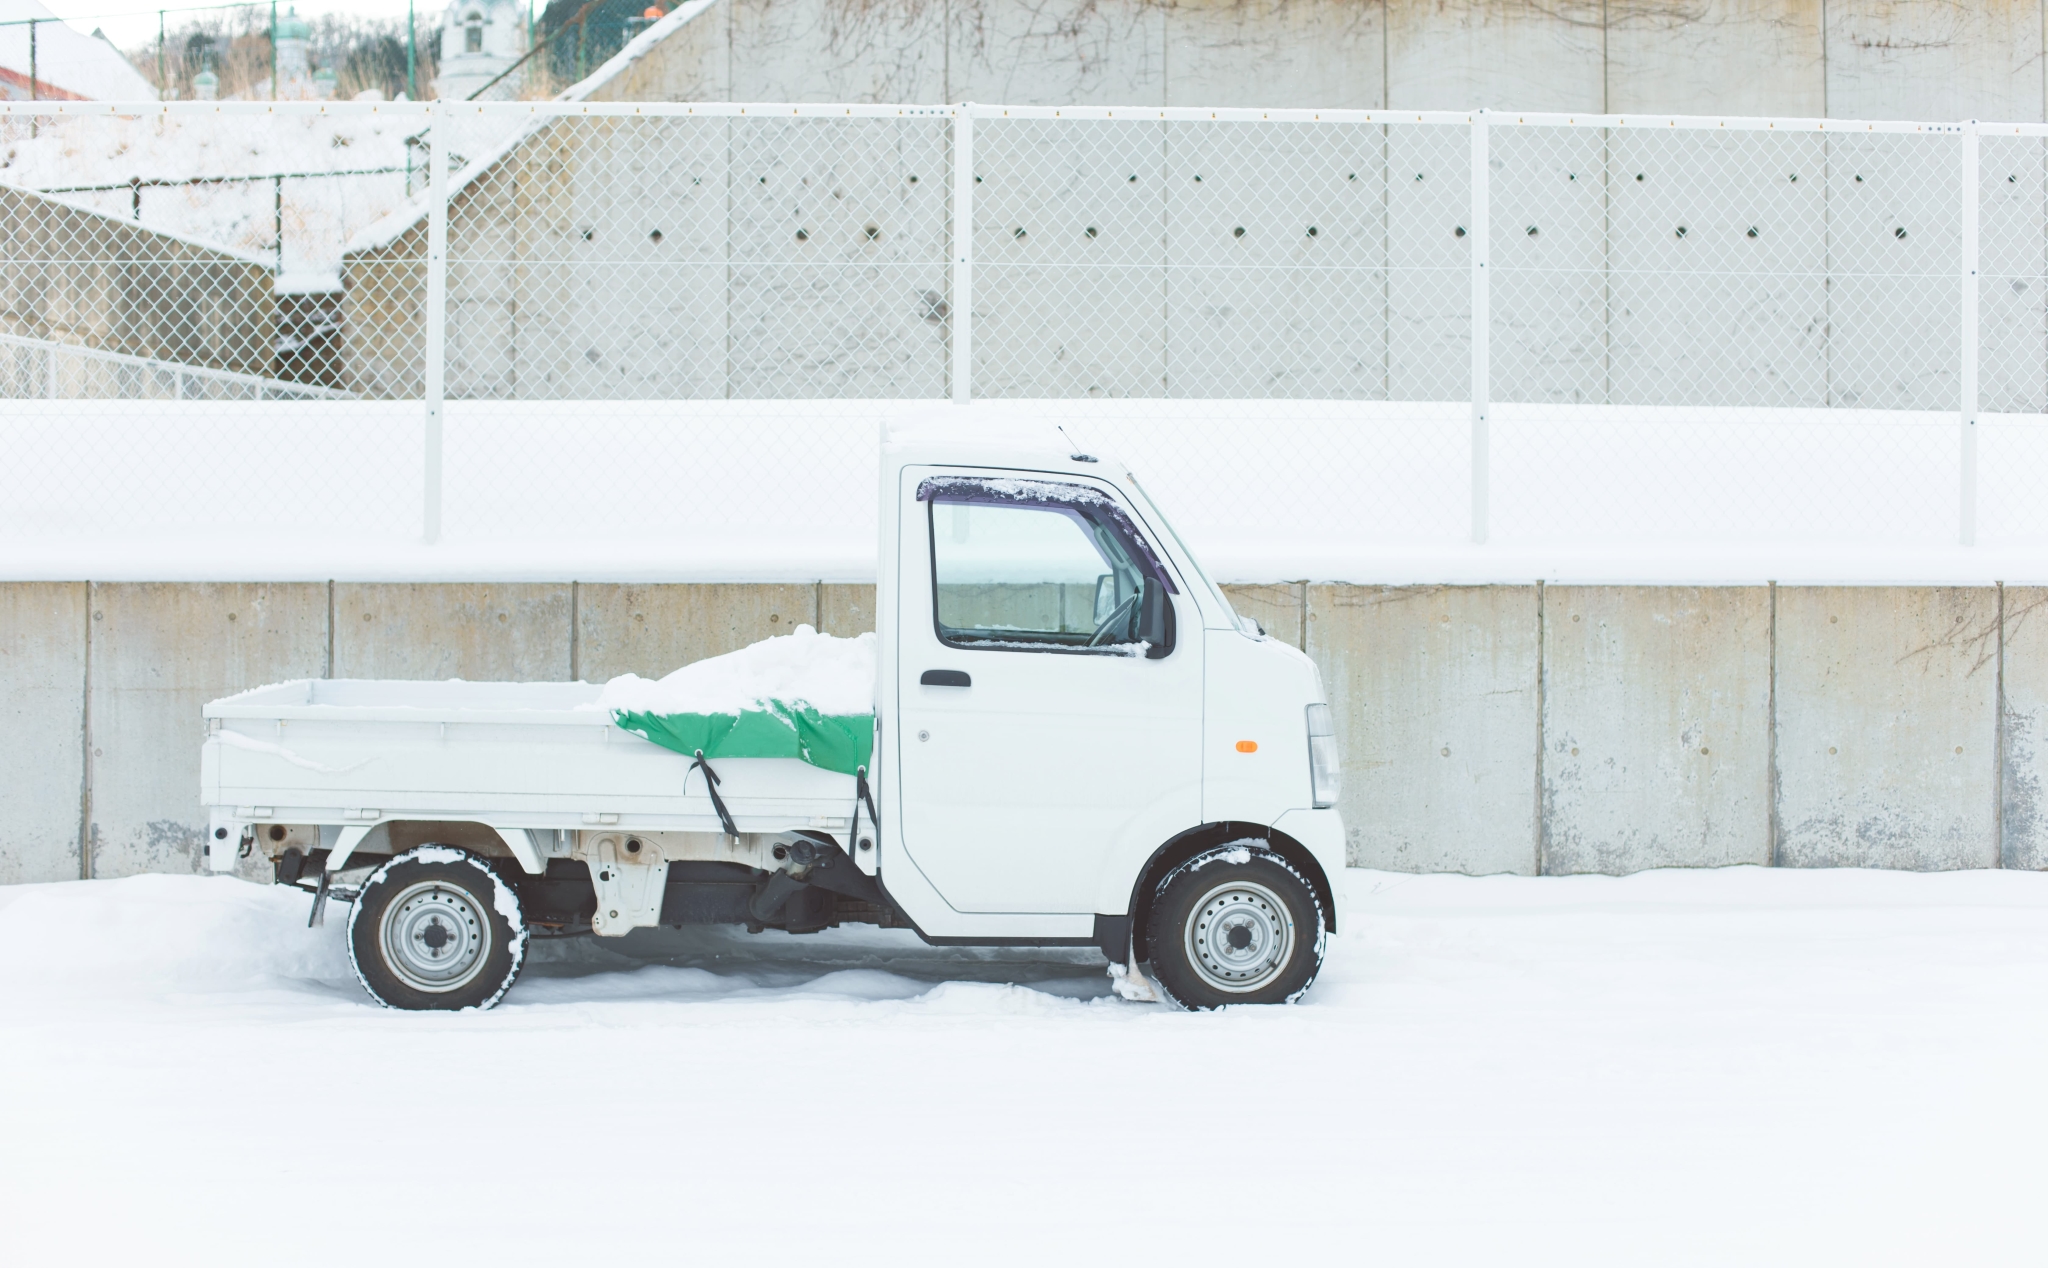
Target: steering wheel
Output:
{"points": [[1118, 620]]}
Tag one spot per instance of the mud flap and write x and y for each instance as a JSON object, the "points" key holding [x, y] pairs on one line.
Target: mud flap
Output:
{"points": [[318, 916], [1131, 984]]}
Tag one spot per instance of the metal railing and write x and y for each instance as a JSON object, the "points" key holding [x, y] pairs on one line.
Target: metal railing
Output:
{"points": [[39, 369], [134, 186]]}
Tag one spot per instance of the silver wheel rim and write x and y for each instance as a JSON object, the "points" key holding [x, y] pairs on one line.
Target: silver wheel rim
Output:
{"points": [[435, 937], [1240, 937]]}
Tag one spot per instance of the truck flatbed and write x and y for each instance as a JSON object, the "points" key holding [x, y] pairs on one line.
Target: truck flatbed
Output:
{"points": [[537, 755]]}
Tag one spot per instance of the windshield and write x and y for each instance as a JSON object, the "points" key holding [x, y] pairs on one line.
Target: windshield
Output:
{"points": [[1209, 588]]}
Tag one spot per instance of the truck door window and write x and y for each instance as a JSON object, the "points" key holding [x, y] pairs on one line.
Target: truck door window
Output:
{"points": [[1042, 576]]}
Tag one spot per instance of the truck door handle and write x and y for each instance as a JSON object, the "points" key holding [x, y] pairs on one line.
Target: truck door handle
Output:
{"points": [[945, 678]]}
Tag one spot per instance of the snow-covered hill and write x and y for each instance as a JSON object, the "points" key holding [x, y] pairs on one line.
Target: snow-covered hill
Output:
{"points": [[320, 213]]}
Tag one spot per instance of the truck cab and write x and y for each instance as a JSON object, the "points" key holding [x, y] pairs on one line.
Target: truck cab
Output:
{"points": [[1077, 706], [1077, 742]]}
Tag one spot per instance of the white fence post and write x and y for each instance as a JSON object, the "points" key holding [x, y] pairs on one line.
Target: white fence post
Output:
{"points": [[1482, 350], [963, 254], [437, 313], [1966, 376]]}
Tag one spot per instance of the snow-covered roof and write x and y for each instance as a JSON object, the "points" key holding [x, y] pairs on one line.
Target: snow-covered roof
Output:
{"points": [[391, 228], [68, 64]]}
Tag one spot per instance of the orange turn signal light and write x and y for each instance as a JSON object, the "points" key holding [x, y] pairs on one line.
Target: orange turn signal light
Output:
{"points": [[1247, 746]]}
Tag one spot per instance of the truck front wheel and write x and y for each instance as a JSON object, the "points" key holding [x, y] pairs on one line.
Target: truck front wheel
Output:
{"points": [[436, 928], [1235, 925]]}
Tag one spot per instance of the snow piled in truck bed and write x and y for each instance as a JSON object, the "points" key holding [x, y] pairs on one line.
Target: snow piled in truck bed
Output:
{"points": [[1737, 1066], [835, 676]]}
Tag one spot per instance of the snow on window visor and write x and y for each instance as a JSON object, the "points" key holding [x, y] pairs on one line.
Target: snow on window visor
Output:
{"points": [[1090, 502]]}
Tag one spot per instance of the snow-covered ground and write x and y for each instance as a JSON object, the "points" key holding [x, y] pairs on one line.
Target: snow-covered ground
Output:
{"points": [[1738, 1066]]}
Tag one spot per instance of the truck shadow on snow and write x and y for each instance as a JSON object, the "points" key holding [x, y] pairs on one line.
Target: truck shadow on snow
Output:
{"points": [[849, 963]]}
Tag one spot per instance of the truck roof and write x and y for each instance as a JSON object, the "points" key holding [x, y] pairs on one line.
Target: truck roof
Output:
{"points": [[989, 435]]}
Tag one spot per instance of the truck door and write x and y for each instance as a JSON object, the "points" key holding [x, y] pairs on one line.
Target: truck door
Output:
{"points": [[1050, 688]]}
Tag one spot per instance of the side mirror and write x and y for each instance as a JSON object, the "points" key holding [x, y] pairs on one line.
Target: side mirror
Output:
{"points": [[1155, 618], [1105, 597]]}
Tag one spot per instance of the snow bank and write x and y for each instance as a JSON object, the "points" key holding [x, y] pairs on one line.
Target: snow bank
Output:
{"points": [[155, 935], [1261, 491], [835, 676]]}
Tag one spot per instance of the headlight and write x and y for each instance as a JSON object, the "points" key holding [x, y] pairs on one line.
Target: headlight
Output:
{"points": [[1325, 773]]}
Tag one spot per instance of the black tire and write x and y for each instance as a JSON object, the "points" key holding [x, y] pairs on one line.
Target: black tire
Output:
{"points": [[1237, 924], [436, 928]]}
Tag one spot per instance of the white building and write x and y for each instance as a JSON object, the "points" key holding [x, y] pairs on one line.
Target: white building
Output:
{"points": [[294, 56], [480, 40]]}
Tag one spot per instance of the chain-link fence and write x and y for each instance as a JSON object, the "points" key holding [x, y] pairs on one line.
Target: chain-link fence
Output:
{"points": [[1313, 332]]}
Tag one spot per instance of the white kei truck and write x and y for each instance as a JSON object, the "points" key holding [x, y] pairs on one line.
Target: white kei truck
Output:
{"points": [[1074, 742]]}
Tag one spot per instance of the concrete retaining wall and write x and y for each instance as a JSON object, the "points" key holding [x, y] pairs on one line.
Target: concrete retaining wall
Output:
{"points": [[1485, 729], [1656, 727], [75, 276], [1856, 59], [42, 729]]}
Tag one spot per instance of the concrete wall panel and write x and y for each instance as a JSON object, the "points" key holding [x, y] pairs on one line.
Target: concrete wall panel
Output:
{"points": [[1057, 53], [1434, 692], [1709, 58], [159, 653], [1894, 236], [1429, 258], [1656, 727], [854, 307], [1911, 59], [846, 610], [536, 247], [42, 729], [1886, 725], [894, 52], [1277, 283], [484, 633], [708, 217], [2012, 322], [1857, 59], [1549, 305], [1501, 54], [1060, 310], [694, 64], [1280, 609], [1264, 52], [654, 630], [1714, 315], [2023, 808]]}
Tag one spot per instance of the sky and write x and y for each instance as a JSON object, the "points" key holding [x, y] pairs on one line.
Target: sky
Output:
{"points": [[127, 23]]}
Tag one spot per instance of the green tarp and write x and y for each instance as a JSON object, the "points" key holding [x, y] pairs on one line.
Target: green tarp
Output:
{"points": [[839, 742]]}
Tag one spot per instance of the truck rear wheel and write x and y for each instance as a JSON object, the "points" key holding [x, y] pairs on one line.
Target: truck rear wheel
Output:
{"points": [[1235, 925], [436, 928]]}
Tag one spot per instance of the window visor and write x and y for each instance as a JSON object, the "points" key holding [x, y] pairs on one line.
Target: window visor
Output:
{"points": [[1089, 501]]}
